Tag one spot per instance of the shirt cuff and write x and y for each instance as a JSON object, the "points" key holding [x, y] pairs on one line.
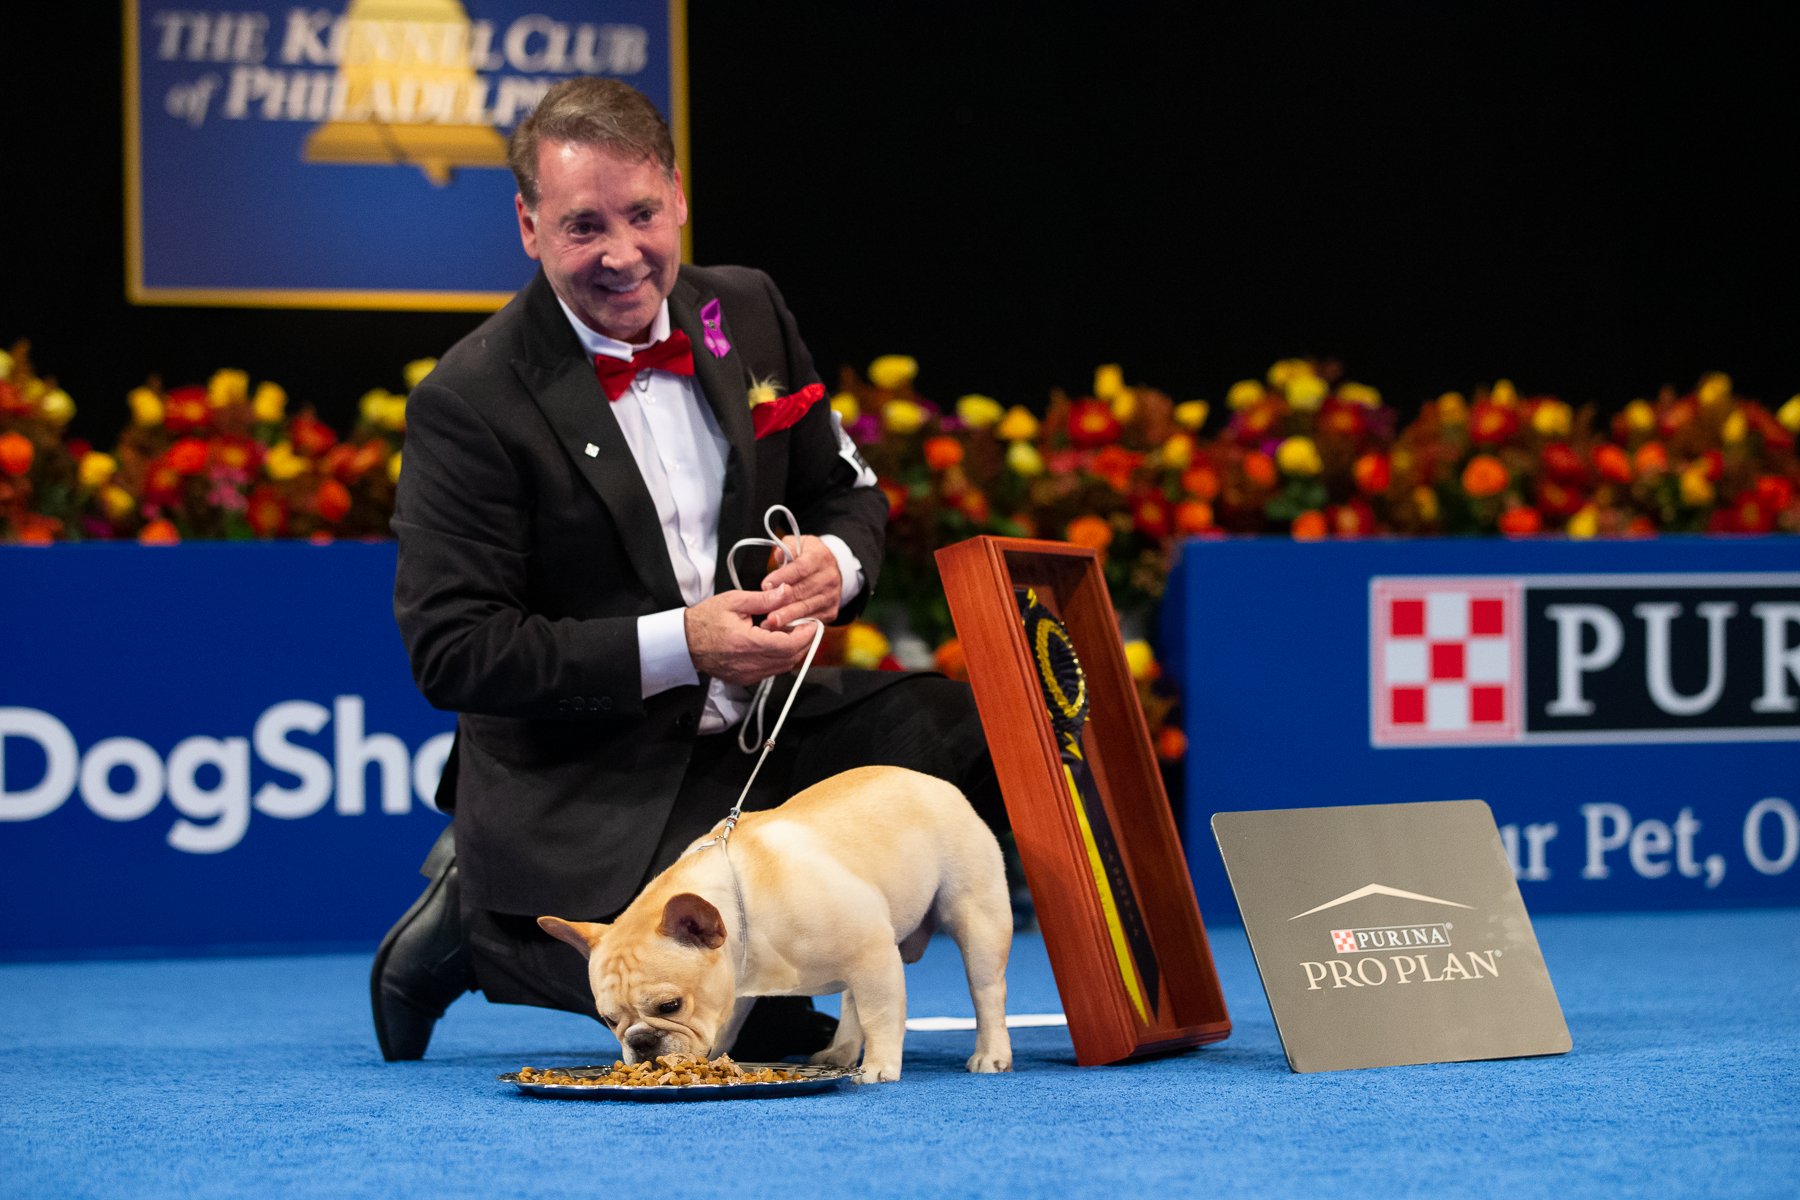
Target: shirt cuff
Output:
{"points": [[849, 568], [663, 658]]}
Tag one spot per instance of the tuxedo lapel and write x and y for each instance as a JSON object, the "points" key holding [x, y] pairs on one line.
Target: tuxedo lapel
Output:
{"points": [[722, 380], [560, 377]]}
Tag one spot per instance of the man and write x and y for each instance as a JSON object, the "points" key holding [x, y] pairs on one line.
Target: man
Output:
{"points": [[576, 471]]}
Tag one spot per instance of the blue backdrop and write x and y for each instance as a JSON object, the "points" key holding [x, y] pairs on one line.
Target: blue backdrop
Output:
{"points": [[1536, 676]]}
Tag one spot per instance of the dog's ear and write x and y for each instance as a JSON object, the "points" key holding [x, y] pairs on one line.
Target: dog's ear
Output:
{"points": [[687, 918], [583, 935]]}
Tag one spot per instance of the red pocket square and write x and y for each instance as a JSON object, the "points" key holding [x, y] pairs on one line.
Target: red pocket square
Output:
{"points": [[783, 411]]}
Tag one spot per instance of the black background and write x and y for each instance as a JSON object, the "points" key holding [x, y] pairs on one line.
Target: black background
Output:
{"points": [[1593, 200]]}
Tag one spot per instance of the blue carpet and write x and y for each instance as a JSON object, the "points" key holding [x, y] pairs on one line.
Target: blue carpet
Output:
{"points": [[259, 1076]]}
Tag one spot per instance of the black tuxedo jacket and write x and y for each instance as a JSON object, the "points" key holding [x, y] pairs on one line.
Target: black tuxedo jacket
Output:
{"points": [[529, 546]]}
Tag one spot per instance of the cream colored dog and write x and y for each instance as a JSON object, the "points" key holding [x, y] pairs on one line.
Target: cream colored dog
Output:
{"points": [[830, 892]]}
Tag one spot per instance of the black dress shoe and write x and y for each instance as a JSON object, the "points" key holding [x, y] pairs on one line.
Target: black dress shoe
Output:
{"points": [[423, 963], [781, 1027]]}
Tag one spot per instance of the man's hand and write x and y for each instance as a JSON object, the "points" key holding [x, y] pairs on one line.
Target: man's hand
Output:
{"points": [[812, 580], [725, 644]]}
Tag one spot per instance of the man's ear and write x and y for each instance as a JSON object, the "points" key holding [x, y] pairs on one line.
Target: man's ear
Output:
{"points": [[527, 225], [583, 935], [689, 919]]}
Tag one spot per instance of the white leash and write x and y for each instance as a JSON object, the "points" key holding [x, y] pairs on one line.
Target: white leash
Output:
{"points": [[759, 701]]}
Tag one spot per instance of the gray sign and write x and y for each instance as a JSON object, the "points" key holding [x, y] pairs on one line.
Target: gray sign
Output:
{"points": [[1389, 934]]}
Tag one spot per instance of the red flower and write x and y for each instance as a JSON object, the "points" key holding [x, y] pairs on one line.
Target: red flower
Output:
{"points": [[942, 453], [331, 501], [1091, 424], [1200, 481], [1352, 519], [896, 498], [973, 504], [1563, 464], [1259, 469], [1116, 465], [1520, 521], [1715, 465], [1341, 420], [1309, 526], [162, 484], [267, 512], [1372, 473], [1491, 423], [186, 410], [1558, 501], [1775, 492], [186, 457], [16, 453], [236, 454], [310, 436], [1150, 514], [1612, 463], [1193, 516], [1171, 743], [11, 401]]}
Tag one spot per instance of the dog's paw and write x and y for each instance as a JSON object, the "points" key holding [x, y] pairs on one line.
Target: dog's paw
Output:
{"points": [[987, 1064], [836, 1056], [879, 1072]]}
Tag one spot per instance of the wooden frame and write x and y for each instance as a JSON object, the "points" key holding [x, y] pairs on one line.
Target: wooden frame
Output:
{"points": [[1188, 1007]]}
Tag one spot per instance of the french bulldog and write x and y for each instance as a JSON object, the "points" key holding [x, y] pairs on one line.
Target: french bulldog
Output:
{"points": [[830, 892]]}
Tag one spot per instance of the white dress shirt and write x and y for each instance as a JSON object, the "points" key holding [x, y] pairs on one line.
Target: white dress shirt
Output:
{"points": [[681, 454]]}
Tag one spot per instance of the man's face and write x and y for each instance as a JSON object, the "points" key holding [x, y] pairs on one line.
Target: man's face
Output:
{"points": [[607, 230]]}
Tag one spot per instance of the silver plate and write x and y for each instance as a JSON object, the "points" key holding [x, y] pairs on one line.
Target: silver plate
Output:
{"points": [[810, 1079]]}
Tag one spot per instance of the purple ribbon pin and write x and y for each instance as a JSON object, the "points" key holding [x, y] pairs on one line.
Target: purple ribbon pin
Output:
{"points": [[715, 334]]}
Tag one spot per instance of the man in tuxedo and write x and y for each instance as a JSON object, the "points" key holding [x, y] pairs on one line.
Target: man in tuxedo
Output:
{"points": [[576, 472]]}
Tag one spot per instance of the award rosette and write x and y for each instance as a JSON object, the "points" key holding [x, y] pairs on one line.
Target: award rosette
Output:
{"points": [[1066, 697]]}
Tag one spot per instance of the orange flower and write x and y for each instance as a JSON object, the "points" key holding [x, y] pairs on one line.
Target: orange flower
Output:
{"points": [[942, 453], [973, 504], [1493, 423], [310, 436], [160, 532], [16, 453], [332, 501], [1612, 463], [1193, 516], [1201, 482], [1650, 459], [1519, 521], [267, 512], [1090, 531], [1259, 469], [949, 659], [187, 457], [1484, 476], [1309, 526], [896, 497], [1372, 473], [1171, 744], [35, 530]]}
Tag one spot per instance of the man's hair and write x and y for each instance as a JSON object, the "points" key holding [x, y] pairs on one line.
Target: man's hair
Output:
{"points": [[590, 111]]}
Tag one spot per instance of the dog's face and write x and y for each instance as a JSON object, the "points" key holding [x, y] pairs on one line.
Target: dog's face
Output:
{"points": [[663, 985]]}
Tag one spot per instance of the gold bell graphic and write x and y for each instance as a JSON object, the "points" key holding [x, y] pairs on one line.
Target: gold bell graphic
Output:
{"points": [[407, 93]]}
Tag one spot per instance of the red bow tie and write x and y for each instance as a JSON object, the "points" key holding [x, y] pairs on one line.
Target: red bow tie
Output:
{"points": [[674, 353]]}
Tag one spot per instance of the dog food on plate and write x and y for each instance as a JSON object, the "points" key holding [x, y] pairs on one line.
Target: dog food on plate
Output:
{"points": [[668, 1070]]}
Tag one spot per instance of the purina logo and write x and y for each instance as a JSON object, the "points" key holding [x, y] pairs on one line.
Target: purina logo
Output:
{"points": [[1611, 658], [1427, 953]]}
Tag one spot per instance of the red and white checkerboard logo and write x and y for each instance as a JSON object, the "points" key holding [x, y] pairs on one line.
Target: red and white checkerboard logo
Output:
{"points": [[1344, 940], [1444, 659]]}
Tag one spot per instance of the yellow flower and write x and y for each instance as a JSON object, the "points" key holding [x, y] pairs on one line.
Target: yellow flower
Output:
{"points": [[415, 371], [1426, 501], [1298, 456], [1178, 451], [1024, 460], [1286, 371], [1191, 414], [1715, 388], [864, 645], [1696, 488], [893, 371], [227, 387], [394, 468], [6, 365], [1504, 394], [1640, 417], [1552, 418], [57, 407], [146, 407], [1359, 393], [1140, 659], [117, 502], [269, 404], [1243, 394], [844, 405], [1735, 427], [1789, 416], [1305, 393], [1453, 409], [1124, 404], [978, 411], [1018, 425], [96, 469], [384, 410], [762, 391], [1109, 380], [902, 416], [282, 463], [1584, 524]]}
